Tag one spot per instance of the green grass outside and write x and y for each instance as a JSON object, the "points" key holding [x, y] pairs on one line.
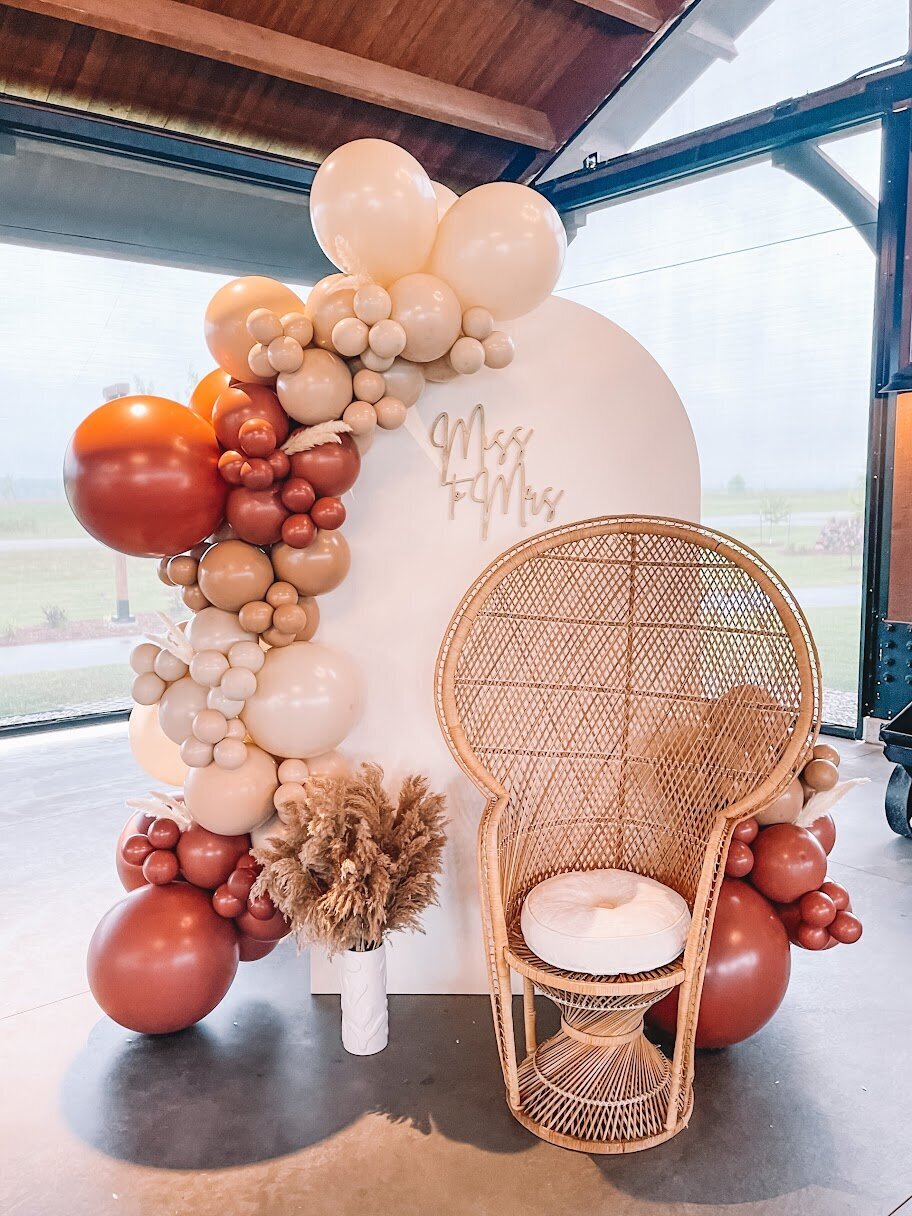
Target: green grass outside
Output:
{"points": [[50, 691], [26, 520]]}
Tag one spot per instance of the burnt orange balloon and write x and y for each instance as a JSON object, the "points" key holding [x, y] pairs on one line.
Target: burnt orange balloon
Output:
{"points": [[141, 475], [131, 876], [788, 862], [162, 959], [202, 399], [747, 971], [242, 402], [206, 858]]}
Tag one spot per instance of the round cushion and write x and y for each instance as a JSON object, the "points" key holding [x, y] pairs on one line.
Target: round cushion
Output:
{"points": [[604, 922]]}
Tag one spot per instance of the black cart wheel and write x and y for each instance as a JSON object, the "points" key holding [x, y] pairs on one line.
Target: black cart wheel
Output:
{"points": [[898, 802]]}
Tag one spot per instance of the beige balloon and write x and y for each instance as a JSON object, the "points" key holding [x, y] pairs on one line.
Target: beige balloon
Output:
{"points": [[374, 210], [152, 750], [786, 808], [232, 573], [498, 349], [467, 356], [233, 801], [445, 199], [262, 836], [330, 764], [361, 417], [216, 629], [500, 246], [226, 330], [307, 700], [330, 301], [181, 702], [404, 380], [427, 309], [319, 390], [319, 568]]}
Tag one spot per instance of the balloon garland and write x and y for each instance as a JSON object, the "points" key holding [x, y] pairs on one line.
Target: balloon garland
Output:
{"points": [[240, 495]]}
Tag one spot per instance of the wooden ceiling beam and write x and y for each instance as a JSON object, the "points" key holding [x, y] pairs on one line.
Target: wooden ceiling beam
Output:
{"points": [[640, 13], [209, 35]]}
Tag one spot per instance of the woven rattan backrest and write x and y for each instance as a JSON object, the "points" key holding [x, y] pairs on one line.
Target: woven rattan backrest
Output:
{"points": [[624, 681]]}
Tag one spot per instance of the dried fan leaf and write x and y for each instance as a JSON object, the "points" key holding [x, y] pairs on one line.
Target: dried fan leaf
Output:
{"points": [[307, 437]]}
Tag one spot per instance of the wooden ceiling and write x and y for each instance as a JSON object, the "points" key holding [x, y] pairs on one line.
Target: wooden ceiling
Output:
{"points": [[476, 89]]}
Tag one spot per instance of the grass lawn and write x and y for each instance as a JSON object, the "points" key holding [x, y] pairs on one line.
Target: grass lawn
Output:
{"points": [[47, 691], [837, 634], [27, 520]]}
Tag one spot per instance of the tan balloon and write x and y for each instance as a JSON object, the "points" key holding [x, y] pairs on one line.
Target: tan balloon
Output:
{"points": [[226, 319], [319, 568], [445, 199], [233, 801], [372, 304], [390, 413], [232, 573], [374, 210], [319, 390], [330, 764], [349, 337], [439, 371], [152, 750], [376, 363], [427, 309], [330, 301], [364, 443], [262, 836], [387, 340], [501, 246], [216, 629], [361, 417], [181, 702], [369, 386], [786, 808], [404, 380], [467, 356], [308, 698], [312, 608]]}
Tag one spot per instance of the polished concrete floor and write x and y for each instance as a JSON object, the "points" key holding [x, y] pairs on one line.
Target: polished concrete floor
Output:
{"points": [[260, 1111]]}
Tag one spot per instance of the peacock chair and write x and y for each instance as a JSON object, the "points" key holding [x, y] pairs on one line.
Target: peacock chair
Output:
{"points": [[623, 691]]}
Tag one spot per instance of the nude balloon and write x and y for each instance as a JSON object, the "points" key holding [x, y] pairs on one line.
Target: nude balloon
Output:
{"points": [[374, 210], [405, 381], [330, 301], [232, 573], [329, 764], [786, 808], [319, 568], [216, 629], [427, 309], [233, 801], [182, 701], [500, 246], [319, 390], [307, 700], [152, 750], [226, 319], [445, 199]]}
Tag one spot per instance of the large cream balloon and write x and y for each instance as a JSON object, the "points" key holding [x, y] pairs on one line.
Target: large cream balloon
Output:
{"points": [[330, 300], [319, 390], [427, 309], [226, 320], [215, 629], [501, 246], [308, 698], [152, 750], [374, 210], [445, 199], [236, 800], [179, 705]]}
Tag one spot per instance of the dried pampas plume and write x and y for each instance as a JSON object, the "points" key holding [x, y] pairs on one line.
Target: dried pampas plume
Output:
{"points": [[351, 867]]}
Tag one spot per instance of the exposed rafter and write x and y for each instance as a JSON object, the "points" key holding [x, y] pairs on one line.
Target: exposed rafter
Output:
{"points": [[641, 13]]}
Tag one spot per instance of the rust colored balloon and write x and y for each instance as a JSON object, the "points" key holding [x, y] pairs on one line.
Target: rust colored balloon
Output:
{"points": [[826, 751], [328, 513], [251, 949], [135, 849], [131, 876], [206, 859], [271, 930], [257, 437], [812, 937], [225, 904], [788, 862], [839, 895], [790, 915], [331, 468], [740, 860], [163, 833], [298, 531], [817, 909], [230, 465], [747, 971], [240, 403], [257, 515], [240, 881], [846, 928], [261, 907], [160, 867], [203, 397], [141, 475], [256, 474], [161, 959], [298, 495], [747, 831], [824, 829]]}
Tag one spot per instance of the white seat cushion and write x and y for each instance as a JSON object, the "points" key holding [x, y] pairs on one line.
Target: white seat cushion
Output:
{"points": [[604, 922]]}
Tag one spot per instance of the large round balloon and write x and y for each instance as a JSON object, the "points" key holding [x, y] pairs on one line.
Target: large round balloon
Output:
{"points": [[226, 320], [747, 972], [427, 309], [141, 475], [500, 246], [308, 698], [152, 750], [316, 570], [319, 390], [162, 959], [329, 301], [232, 573], [233, 801], [789, 861], [374, 210]]}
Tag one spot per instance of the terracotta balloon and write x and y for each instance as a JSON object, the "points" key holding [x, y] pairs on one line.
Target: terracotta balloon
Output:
{"points": [[330, 469], [232, 573], [747, 830], [226, 319], [500, 246], [141, 476], [374, 210], [242, 403], [271, 930], [319, 568], [257, 516], [152, 750], [740, 860], [234, 801], [824, 829], [131, 876], [207, 858], [747, 971], [203, 397], [826, 751], [788, 862], [251, 950], [182, 701], [307, 700], [161, 959], [215, 629], [319, 390], [427, 309]]}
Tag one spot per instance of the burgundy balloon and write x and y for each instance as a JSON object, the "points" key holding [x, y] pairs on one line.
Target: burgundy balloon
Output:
{"points": [[225, 904], [788, 861], [206, 859], [239, 883], [161, 959], [256, 515], [298, 495], [328, 513], [331, 468], [824, 829], [298, 531], [256, 474], [163, 833], [740, 860], [130, 875], [242, 402], [790, 915], [160, 867], [747, 831], [271, 930], [747, 971], [251, 949]]}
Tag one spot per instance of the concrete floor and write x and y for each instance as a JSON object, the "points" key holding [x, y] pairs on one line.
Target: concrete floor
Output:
{"points": [[260, 1111]]}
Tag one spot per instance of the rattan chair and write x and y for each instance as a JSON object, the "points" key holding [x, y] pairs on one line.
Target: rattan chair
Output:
{"points": [[623, 691]]}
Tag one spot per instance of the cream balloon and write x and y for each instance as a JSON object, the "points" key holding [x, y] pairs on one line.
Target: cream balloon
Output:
{"points": [[427, 309], [330, 764], [226, 330], [216, 629], [374, 210], [182, 701], [308, 698], [319, 390], [329, 302], [236, 800], [261, 837], [445, 199], [152, 750], [404, 380], [501, 246]]}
